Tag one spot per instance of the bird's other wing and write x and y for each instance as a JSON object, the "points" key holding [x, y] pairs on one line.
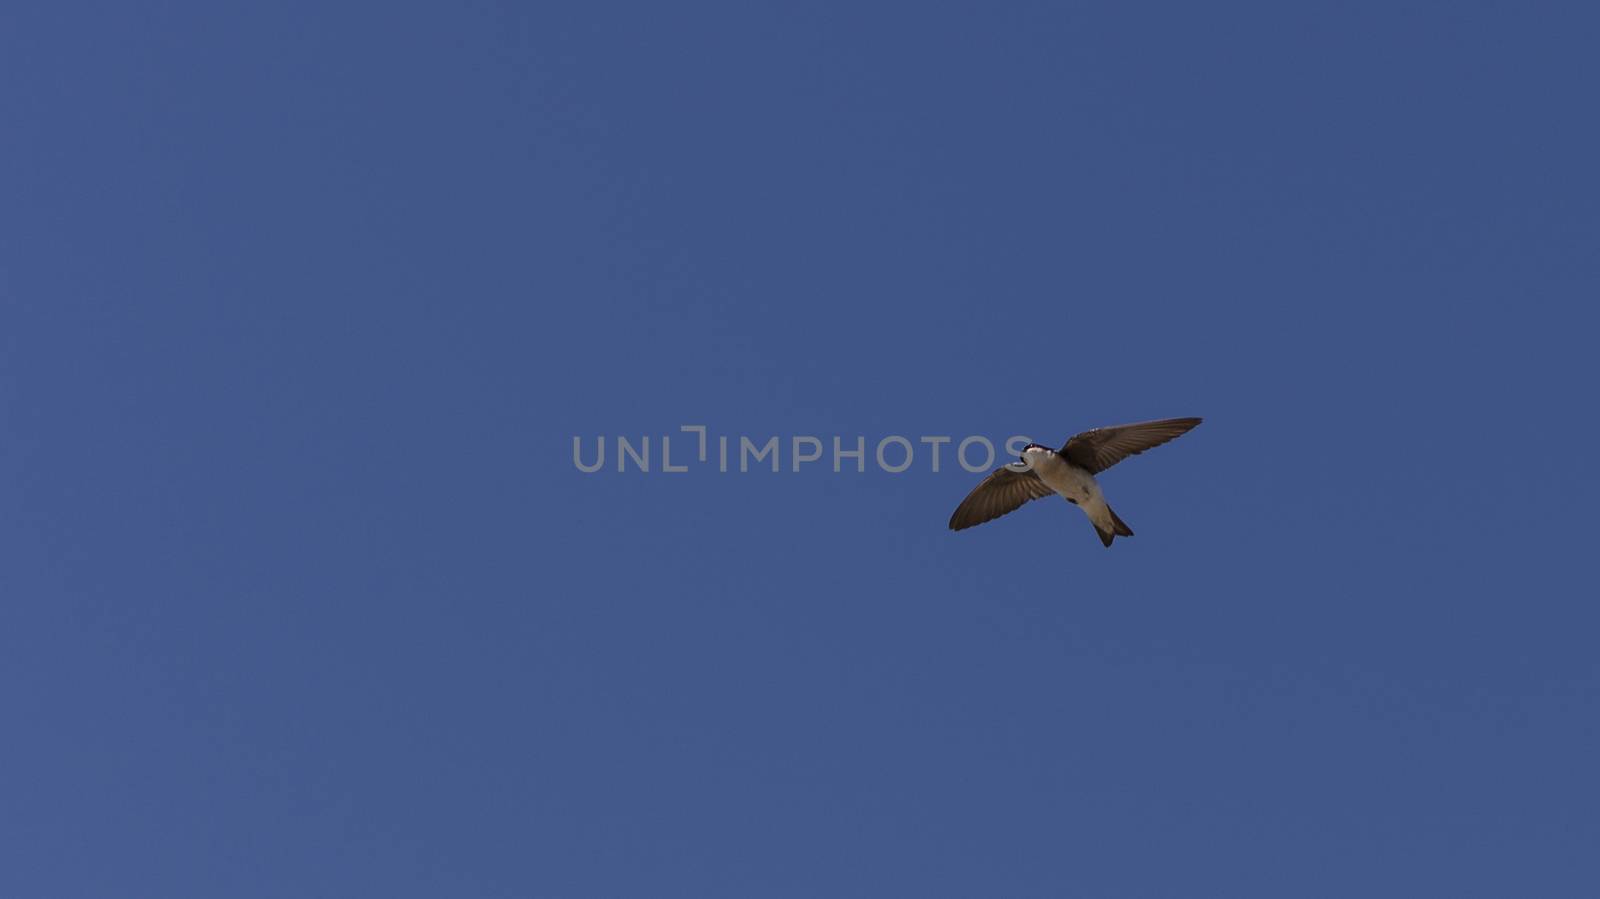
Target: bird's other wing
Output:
{"points": [[1000, 492], [1101, 448]]}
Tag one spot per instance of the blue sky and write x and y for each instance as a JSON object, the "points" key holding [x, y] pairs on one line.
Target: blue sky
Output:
{"points": [[303, 304]]}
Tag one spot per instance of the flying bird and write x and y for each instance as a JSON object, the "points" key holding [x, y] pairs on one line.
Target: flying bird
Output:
{"points": [[1068, 472]]}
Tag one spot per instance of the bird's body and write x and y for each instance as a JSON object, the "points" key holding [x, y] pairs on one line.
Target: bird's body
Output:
{"points": [[1069, 473], [1074, 484]]}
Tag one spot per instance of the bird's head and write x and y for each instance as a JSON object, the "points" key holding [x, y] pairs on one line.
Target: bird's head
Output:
{"points": [[1032, 452]]}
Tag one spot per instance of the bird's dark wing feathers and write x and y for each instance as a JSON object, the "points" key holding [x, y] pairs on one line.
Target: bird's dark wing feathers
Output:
{"points": [[1000, 492], [1101, 448]]}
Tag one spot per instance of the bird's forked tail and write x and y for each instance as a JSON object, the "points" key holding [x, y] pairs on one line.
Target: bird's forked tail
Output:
{"points": [[1119, 528]]}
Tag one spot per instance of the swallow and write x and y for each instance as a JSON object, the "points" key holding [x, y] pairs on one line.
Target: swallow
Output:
{"points": [[1068, 472]]}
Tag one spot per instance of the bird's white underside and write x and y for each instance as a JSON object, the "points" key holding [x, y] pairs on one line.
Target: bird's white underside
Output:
{"points": [[1070, 481]]}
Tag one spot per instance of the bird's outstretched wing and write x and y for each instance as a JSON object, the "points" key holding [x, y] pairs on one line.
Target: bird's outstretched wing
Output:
{"points": [[1000, 492], [1101, 448]]}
